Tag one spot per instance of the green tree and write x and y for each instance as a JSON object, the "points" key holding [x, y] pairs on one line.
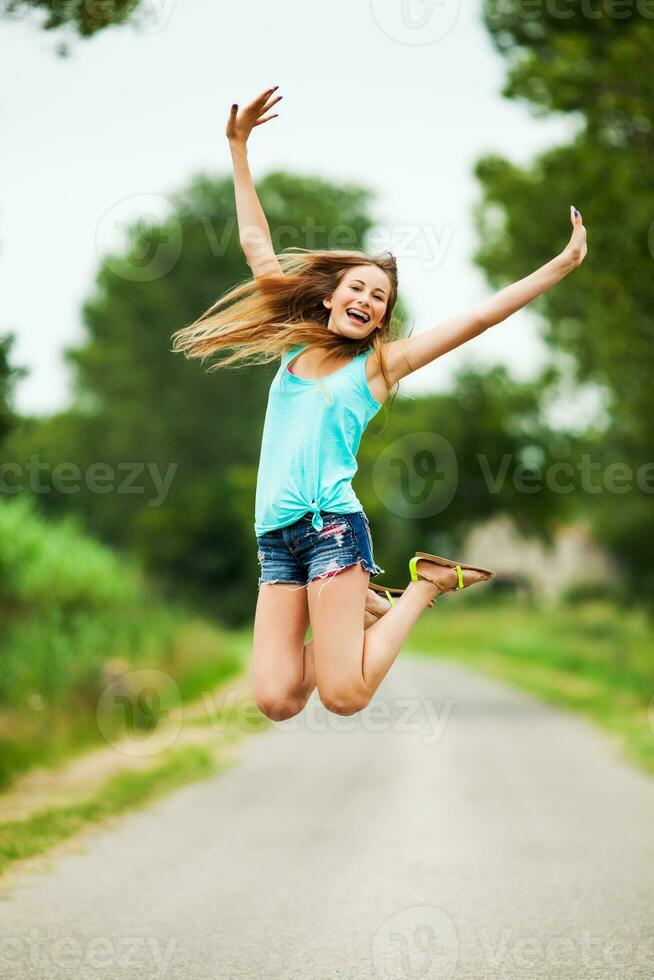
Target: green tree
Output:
{"points": [[84, 17], [594, 61], [8, 377]]}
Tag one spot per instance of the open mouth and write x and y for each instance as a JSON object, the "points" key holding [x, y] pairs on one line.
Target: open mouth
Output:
{"points": [[358, 316]]}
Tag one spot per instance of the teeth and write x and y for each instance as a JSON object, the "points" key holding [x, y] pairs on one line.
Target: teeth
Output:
{"points": [[359, 313]]}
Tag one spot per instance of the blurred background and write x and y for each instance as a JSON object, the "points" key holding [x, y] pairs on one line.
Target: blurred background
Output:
{"points": [[455, 135]]}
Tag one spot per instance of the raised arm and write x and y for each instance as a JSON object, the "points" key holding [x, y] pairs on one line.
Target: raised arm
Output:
{"points": [[410, 353], [254, 233]]}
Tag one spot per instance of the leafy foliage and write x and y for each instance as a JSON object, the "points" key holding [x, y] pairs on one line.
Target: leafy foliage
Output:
{"points": [[84, 17], [8, 377], [595, 61]]}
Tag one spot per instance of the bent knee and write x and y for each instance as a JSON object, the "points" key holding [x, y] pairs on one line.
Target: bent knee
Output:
{"points": [[344, 700], [280, 705]]}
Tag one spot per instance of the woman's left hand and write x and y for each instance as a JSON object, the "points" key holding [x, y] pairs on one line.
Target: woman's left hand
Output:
{"points": [[576, 248]]}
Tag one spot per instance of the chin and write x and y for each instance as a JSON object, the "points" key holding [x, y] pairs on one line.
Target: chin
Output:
{"points": [[348, 329]]}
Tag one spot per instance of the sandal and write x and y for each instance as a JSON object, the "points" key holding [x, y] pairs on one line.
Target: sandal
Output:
{"points": [[389, 593], [448, 563], [380, 590]]}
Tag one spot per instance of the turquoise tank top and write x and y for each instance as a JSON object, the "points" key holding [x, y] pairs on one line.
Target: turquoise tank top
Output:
{"points": [[311, 436]]}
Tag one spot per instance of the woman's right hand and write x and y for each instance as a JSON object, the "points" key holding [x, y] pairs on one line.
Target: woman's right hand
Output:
{"points": [[240, 124]]}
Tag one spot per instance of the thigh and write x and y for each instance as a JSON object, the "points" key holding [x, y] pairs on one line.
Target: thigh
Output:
{"points": [[281, 618], [280, 626], [336, 610]]}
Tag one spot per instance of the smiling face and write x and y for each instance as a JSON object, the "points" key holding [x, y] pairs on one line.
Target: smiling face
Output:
{"points": [[358, 304]]}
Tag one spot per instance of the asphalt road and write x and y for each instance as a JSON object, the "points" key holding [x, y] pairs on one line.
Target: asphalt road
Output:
{"points": [[454, 829]]}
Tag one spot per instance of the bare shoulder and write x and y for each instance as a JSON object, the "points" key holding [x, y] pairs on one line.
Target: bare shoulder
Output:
{"points": [[395, 362]]}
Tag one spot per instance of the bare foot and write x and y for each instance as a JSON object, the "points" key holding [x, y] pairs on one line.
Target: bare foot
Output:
{"points": [[376, 604], [447, 578]]}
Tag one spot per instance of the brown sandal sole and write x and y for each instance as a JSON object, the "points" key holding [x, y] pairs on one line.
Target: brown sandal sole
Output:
{"points": [[447, 563], [382, 589]]}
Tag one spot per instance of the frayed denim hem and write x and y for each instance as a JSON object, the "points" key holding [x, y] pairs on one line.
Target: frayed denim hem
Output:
{"points": [[333, 572], [281, 581]]}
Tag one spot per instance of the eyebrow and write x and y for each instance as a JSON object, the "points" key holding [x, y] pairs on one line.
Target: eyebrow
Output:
{"points": [[376, 287]]}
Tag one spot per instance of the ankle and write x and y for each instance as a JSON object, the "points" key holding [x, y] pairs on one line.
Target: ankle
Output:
{"points": [[429, 590]]}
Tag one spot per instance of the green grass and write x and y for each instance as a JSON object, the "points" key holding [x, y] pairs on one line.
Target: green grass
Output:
{"points": [[74, 615], [26, 838], [197, 658], [591, 657]]}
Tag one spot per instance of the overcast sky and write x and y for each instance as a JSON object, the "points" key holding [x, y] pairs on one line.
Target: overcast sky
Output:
{"points": [[401, 97]]}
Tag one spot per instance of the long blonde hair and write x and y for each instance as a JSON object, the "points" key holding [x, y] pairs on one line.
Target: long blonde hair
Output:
{"points": [[261, 318]]}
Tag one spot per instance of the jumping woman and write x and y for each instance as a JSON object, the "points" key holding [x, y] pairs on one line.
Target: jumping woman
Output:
{"points": [[327, 315]]}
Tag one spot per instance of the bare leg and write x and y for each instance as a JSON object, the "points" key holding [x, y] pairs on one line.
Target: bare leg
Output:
{"points": [[349, 663], [374, 601], [384, 640]]}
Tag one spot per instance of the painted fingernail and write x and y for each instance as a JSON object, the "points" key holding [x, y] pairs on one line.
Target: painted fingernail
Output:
{"points": [[234, 106], [576, 213]]}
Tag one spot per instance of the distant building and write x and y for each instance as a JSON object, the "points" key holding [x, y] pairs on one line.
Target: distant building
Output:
{"points": [[574, 558]]}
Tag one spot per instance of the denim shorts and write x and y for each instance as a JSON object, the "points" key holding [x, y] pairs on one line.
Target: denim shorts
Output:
{"points": [[298, 553]]}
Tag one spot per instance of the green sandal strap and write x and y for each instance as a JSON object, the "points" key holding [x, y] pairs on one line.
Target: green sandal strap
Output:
{"points": [[414, 574], [389, 597]]}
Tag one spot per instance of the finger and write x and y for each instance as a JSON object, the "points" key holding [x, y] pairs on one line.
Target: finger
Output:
{"points": [[266, 119], [268, 105], [266, 95], [254, 107]]}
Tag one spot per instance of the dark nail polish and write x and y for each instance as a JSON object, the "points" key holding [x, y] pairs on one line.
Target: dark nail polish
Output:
{"points": [[576, 213]]}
